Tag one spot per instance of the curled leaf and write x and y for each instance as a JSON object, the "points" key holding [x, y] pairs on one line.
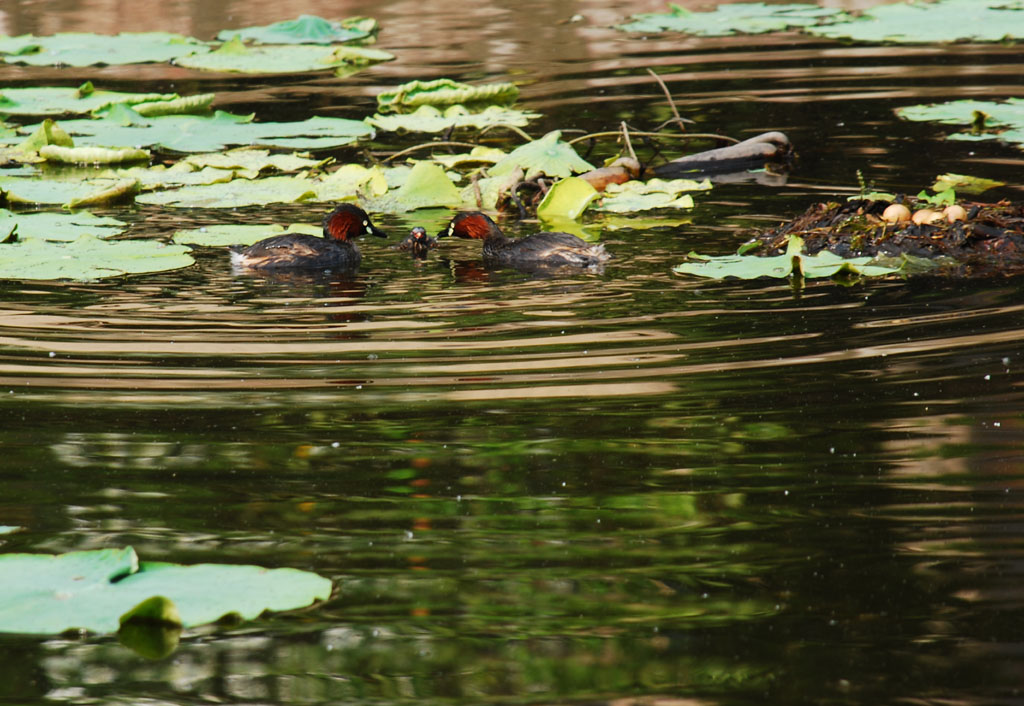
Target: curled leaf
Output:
{"points": [[92, 155], [444, 91]]}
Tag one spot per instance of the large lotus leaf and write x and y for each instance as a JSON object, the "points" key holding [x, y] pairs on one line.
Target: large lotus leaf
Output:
{"points": [[427, 118], [485, 193], [656, 193], [443, 91], [88, 257], [426, 186], [307, 29], [72, 193], [793, 261], [80, 49], [236, 193], [941, 21], [276, 59], [980, 114], [61, 101], [566, 199], [57, 226], [352, 179], [549, 155], [229, 234], [250, 162], [92, 155], [99, 590], [195, 133], [726, 19]]}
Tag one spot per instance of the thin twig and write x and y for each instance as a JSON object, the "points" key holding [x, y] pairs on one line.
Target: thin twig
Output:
{"points": [[687, 136], [668, 96], [513, 128], [629, 145], [416, 148]]}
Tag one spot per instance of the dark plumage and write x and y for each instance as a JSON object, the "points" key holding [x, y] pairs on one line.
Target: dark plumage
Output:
{"points": [[418, 243], [533, 251], [335, 250]]}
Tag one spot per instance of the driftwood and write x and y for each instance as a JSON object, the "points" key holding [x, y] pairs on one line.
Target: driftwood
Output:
{"points": [[754, 153]]}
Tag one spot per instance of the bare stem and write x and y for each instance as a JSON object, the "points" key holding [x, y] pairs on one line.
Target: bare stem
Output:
{"points": [[686, 136], [668, 96], [416, 148]]}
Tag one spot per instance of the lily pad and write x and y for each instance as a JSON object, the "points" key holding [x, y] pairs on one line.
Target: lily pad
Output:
{"points": [[235, 194], [100, 590], [307, 29], [549, 155], [475, 157], [941, 21], [82, 49], [989, 120], [87, 258], [443, 91], [427, 118], [737, 18], [185, 105], [230, 234], [426, 186], [194, 133], [793, 262], [566, 199], [92, 155], [657, 193], [57, 226], [250, 162], [71, 193], [276, 59], [63, 101], [964, 184], [162, 177]]}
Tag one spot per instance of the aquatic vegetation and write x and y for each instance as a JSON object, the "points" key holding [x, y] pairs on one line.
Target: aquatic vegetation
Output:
{"points": [[637, 195], [234, 56], [427, 118], [233, 234], [307, 29], [986, 120], [443, 91], [736, 18], [101, 590], [82, 49], [88, 257], [548, 155], [57, 226]]}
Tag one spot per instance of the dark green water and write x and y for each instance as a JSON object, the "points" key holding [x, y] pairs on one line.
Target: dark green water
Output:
{"points": [[627, 488]]}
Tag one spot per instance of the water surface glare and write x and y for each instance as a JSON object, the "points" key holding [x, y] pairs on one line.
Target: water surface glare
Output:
{"points": [[626, 488]]}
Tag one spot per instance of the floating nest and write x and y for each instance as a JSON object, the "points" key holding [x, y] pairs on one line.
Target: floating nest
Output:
{"points": [[989, 240]]}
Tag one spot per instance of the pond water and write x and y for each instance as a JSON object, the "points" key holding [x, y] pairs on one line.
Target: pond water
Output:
{"points": [[629, 487]]}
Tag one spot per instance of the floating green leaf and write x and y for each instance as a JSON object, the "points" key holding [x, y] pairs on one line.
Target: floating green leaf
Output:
{"points": [[161, 177], [964, 184], [48, 133], [62, 101], [178, 106], [941, 21], [549, 155], [444, 91], [231, 234], [235, 194], [91, 155], [427, 118], [567, 198], [636, 195], [100, 590], [275, 59], [58, 226], [72, 193], [250, 162], [88, 257], [426, 186], [307, 29], [792, 262], [475, 157], [737, 18], [81, 49], [195, 133], [1007, 116]]}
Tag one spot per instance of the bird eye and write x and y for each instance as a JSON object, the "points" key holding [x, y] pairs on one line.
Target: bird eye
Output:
{"points": [[366, 223]]}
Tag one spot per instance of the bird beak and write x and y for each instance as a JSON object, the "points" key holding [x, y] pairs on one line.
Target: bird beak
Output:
{"points": [[374, 230]]}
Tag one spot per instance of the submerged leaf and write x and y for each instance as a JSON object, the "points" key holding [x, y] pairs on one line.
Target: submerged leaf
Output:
{"points": [[549, 155], [444, 91], [427, 118], [307, 29], [80, 49]]}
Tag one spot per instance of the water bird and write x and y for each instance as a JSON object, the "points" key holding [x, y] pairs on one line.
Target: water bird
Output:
{"points": [[540, 250], [418, 243], [335, 250]]}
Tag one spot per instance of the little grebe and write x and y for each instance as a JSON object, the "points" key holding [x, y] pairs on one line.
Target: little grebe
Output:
{"points": [[534, 251], [335, 250], [418, 242]]}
